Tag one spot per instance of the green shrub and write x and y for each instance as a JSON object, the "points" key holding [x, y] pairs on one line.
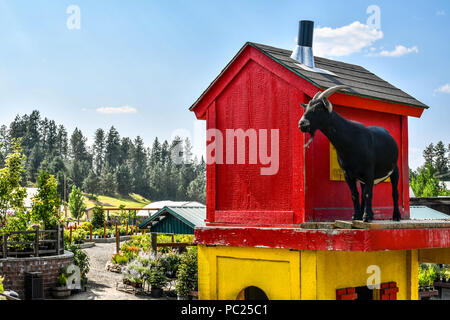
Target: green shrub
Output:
{"points": [[86, 226], [427, 275], [62, 279], [170, 263], [98, 217], [80, 259], [157, 278], [119, 259], [187, 273]]}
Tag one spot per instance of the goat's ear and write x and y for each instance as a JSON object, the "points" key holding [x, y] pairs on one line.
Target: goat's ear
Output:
{"points": [[303, 105]]}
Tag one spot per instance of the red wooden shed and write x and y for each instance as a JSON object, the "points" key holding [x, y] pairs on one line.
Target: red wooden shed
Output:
{"points": [[260, 89]]}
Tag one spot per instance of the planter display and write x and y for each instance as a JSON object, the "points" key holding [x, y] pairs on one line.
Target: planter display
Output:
{"points": [[61, 292]]}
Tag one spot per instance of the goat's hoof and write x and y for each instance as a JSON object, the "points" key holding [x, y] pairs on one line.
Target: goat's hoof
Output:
{"points": [[397, 218], [357, 217], [367, 218]]}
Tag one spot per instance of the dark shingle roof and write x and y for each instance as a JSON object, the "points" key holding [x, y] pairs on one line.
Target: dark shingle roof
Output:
{"points": [[361, 81]]}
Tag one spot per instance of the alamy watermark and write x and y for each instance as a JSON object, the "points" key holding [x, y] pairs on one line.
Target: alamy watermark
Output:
{"points": [[73, 22], [374, 19]]}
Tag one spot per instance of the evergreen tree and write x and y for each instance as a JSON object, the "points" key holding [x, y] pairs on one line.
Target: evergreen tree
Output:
{"points": [[99, 151], [112, 153], [196, 190], [18, 127], [126, 151], [32, 135], [155, 153], [165, 152], [78, 148], [50, 141], [91, 184], [440, 158], [139, 167], [62, 145], [428, 155], [58, 168], [124, 180], [34, 162], [108, 182]]}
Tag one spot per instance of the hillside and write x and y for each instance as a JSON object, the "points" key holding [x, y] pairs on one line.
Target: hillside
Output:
{"points": [[133, 200]]}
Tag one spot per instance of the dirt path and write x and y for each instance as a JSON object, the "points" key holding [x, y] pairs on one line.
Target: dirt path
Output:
{"points": [[102, 283]]}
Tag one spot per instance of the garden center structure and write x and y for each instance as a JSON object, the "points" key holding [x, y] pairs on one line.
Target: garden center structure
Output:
{"points": [[289, 235]]}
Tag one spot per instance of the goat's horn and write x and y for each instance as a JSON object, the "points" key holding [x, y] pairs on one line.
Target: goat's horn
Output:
{"points": [[317, 94], [330, 91]]}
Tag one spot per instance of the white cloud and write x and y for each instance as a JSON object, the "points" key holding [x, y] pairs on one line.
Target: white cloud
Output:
{"points": [[441, 13], [399, 51], [444, 89], [343, 41], [112, 110]]}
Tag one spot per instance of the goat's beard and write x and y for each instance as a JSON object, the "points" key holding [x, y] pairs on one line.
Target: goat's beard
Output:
{"points": [[310, 139]]}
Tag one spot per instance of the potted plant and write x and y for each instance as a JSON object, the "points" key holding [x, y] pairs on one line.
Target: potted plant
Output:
{"points": [[61, 290], [187, 274], [157, 280]]}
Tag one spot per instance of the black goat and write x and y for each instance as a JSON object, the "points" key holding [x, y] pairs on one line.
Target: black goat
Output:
{"points": [[366, 154]]}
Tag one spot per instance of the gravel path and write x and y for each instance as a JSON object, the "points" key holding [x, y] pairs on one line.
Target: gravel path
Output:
{"points": [[102, 283]]}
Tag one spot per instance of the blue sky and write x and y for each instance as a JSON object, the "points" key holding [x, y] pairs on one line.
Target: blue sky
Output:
{"points": [[148, 61]]}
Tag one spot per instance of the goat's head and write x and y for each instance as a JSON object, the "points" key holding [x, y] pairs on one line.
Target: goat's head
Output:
{"points": [[317, 112]]}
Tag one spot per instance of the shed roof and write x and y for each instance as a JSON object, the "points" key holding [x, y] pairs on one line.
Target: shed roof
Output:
{"points": [[425, 213], [165, 203], [361, 81], [189, 217]]}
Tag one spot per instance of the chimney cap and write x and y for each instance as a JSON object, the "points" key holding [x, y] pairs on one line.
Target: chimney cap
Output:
{"points": [[305, 33]]}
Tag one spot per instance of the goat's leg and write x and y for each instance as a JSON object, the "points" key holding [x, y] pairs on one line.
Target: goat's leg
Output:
{"points": [[394, 182], [368, 193], [363, 202], [357, 214]]}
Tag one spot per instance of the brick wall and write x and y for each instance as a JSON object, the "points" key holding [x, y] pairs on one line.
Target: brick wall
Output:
{"points": [[14, 269]]}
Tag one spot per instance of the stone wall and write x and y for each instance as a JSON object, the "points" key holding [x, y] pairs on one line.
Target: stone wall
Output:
{"points": [[14, 269]]}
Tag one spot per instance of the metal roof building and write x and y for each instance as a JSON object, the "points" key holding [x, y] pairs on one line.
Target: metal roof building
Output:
{"points": [[176, 219], [425, 213]]}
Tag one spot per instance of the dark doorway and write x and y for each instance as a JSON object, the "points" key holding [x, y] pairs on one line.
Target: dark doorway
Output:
{"points": [[254, 293], [364, 293]]}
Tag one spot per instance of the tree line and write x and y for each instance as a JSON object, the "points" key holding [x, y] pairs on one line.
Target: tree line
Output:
{"points": [[426, 181], [111, 165]]}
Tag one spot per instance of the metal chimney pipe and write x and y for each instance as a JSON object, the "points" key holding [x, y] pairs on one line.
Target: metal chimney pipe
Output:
{"points": [[303, 51]]}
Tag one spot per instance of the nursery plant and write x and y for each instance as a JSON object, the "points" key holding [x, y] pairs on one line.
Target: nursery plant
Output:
{"points": [[76, 203], [157, 280], [187, 273], [98, 217], [1, 288]]}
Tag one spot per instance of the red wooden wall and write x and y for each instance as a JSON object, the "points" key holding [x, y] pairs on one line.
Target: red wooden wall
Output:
{"points": [[255, 92]]}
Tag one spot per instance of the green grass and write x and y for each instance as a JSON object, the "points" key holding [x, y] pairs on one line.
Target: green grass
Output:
{"points": [[131, 201]]}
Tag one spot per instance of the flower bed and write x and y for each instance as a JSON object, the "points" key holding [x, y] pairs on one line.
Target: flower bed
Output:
{"points": [[167, 269]]}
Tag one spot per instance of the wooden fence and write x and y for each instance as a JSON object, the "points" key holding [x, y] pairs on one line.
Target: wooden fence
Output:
{"points": [[44, 243]]}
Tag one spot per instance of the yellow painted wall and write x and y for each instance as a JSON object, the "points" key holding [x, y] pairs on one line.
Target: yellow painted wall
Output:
{"points": [[343, 269], [225, 271], [288, 274], [439, 256]]}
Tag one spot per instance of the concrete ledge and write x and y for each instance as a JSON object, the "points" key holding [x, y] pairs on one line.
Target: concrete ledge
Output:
{"points": [[86, 245], [111, 240]]}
